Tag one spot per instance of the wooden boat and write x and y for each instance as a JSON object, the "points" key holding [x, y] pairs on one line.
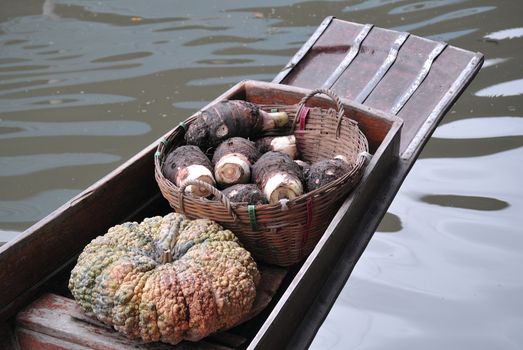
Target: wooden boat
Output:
{"points": [[375, 70]]}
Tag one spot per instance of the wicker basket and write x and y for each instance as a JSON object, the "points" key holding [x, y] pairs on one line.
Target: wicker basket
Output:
{"points": [[280, 234]]}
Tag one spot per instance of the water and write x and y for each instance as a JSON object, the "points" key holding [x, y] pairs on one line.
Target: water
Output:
{"points": [[84, 85]]}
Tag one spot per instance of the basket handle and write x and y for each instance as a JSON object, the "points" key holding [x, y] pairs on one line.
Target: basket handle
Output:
{"points": [[333, 96], [217, 193]]}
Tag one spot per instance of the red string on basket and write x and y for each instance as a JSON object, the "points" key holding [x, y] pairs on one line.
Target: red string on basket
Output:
{"points": [[304, 112]]}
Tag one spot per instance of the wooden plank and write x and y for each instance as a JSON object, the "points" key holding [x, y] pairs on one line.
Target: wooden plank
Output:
{"points": [[51, 315], [378, 53], [62, 319], [7, 337], [30, 340], [419, 78], [443, 82], [326, 54], [397, 83], [303, 51], [349, 57], [384, 67], [421, 81]]}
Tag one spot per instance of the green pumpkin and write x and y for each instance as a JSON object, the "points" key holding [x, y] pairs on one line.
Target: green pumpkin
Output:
{"points": [[166, 279]]}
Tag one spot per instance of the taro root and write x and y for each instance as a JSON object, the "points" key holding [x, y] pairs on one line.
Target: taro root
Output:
{"points": [[245, 193], [188, 163], [228, 119], [284, 144], [232, 161], [325, 171], [305, 168], [278, 176]]}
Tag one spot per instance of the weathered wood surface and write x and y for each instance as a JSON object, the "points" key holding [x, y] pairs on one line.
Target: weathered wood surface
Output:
{"points": [[37, 341], [55, 322], [394, 72], [8, 339]]}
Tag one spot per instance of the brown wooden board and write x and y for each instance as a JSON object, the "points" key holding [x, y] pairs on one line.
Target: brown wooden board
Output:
{"points": [[8, 339], [404, 71], [416, 83], [448, 76], [56, 322], [373, 53], [326, 54]]}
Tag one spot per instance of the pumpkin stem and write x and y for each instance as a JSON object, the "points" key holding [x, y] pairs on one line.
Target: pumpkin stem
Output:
{"points": [[166, 257]]}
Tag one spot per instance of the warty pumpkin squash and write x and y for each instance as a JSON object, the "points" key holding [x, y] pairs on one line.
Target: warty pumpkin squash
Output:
{"points": [[166, 279]]}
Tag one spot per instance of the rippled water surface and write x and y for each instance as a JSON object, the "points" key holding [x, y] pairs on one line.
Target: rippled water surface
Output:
{"points": [[84, 85]]}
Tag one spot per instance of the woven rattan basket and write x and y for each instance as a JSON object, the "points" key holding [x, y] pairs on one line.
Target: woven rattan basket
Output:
{"points": [[281, 234]]}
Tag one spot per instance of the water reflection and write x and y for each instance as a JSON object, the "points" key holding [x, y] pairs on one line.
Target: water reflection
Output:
{"points": [[494, 62], [490, 176], [99, 13], [28, 164], [369, 4], [228, 79], [20, 129], [465, 202], [390, 223], [217, 39], [124, 57], [192, 27], [90, 45], [452, 35], [422, 6], [66, 100], [484, 127], [13, 213], [48, 9], [508, 88], [506, 34], [471, 11], [6, 236], [471, 147], [15, 68]]}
